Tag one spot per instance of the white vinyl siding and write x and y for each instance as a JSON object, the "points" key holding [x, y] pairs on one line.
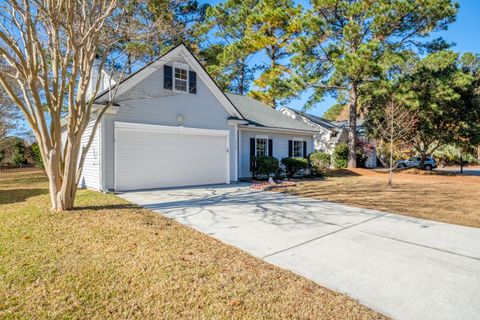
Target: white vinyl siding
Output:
{"points": [[90, 177], [279, 150]]}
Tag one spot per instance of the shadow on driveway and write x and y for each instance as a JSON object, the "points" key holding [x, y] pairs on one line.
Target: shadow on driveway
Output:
{"points": [[404, 267]]}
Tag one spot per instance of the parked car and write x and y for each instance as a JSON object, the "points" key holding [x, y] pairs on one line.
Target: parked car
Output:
{"points": [[414, 162]]}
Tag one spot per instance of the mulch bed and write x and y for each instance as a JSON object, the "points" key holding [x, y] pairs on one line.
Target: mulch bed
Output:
{"points": [[265, 185]]}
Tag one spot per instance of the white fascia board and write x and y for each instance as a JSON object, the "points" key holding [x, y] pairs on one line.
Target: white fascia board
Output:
{"points": [[95, 108], [110, 110], [234, 122]]}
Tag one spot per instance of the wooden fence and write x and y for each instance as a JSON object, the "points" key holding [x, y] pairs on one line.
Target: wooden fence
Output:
{"points": [[19, 168]]}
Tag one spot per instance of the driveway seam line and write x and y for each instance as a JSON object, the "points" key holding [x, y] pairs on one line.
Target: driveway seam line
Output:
{"points": [[422, 245], [322, 236]]}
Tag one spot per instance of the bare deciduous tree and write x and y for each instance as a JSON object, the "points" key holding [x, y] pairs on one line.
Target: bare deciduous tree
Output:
{"points": [[10, 116], [394, 124], [50, 47]]}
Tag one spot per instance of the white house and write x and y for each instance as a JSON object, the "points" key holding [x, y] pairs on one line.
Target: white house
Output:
{"points": [[328, 134], [172, 126]]}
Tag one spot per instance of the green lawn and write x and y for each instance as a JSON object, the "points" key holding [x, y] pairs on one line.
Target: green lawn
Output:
{"points": [[110, 259]]}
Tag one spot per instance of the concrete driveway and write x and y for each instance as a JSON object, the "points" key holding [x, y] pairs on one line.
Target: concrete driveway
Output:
{"points": [[468, 171], [404, 267]]}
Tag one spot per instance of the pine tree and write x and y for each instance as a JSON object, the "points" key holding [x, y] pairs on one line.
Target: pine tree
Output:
{"points": [[345, 41], [272, 27], [226, 54]]}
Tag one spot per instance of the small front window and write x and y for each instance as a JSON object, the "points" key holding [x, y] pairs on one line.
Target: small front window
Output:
{"points": [[180, 79], [261, 147], [297, 148]]}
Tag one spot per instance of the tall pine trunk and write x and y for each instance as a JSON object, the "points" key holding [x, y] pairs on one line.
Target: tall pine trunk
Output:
{"points": [[352, 133]]}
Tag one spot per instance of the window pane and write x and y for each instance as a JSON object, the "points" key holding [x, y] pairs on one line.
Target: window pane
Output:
{"points": [[181, 74], [298, 148], [180, 79], [180, 85], [261, 147]]}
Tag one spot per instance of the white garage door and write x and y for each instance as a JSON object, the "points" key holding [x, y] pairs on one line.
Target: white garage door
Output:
{"points": [[150, 156]]}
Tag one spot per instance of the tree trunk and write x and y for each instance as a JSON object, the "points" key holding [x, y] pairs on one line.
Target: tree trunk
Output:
{"points": [[62, 176], [352, 132], [390, 173], [241, 84], [461, 163], [62, 195], [422, 160], [64, 200]]}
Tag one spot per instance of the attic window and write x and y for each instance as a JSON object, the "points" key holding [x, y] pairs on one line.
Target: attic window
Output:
{"points": [[180, 79]]}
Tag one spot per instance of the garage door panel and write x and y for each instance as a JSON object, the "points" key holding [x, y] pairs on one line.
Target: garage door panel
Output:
{"points": [[167, 159]]}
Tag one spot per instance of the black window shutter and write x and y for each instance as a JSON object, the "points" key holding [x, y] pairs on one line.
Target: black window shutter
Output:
{"points": [[192, 82], [252, 152], [167, 77], [270, 147], [305, 149], [290, 148]]}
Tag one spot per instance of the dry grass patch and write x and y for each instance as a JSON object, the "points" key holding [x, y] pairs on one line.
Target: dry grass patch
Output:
{"points": [[452, 199], [110, 259]]}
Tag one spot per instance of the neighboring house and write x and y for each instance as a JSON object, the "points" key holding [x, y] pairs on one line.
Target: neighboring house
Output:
{"points": [[329, 134], [172, 126]]}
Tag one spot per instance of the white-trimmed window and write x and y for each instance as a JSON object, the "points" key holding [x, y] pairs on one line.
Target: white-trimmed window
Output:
{"points": [[180, 79], [261, 146], [297, 148]]}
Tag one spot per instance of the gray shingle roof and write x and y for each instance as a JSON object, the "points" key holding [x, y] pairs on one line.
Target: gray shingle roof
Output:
{"points": [[360, 127], [320, 121], [261, 115]]}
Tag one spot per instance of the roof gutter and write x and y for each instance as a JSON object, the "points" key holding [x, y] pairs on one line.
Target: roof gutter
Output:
{"points": [[95, 108], [257, 128]]}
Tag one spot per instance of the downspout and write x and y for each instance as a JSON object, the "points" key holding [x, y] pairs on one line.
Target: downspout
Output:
{"points": [[102, 155], [236, 152], [239, 152]]}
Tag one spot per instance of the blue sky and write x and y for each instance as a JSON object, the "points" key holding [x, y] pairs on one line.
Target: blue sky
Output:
{"points": [[465, 33]]}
